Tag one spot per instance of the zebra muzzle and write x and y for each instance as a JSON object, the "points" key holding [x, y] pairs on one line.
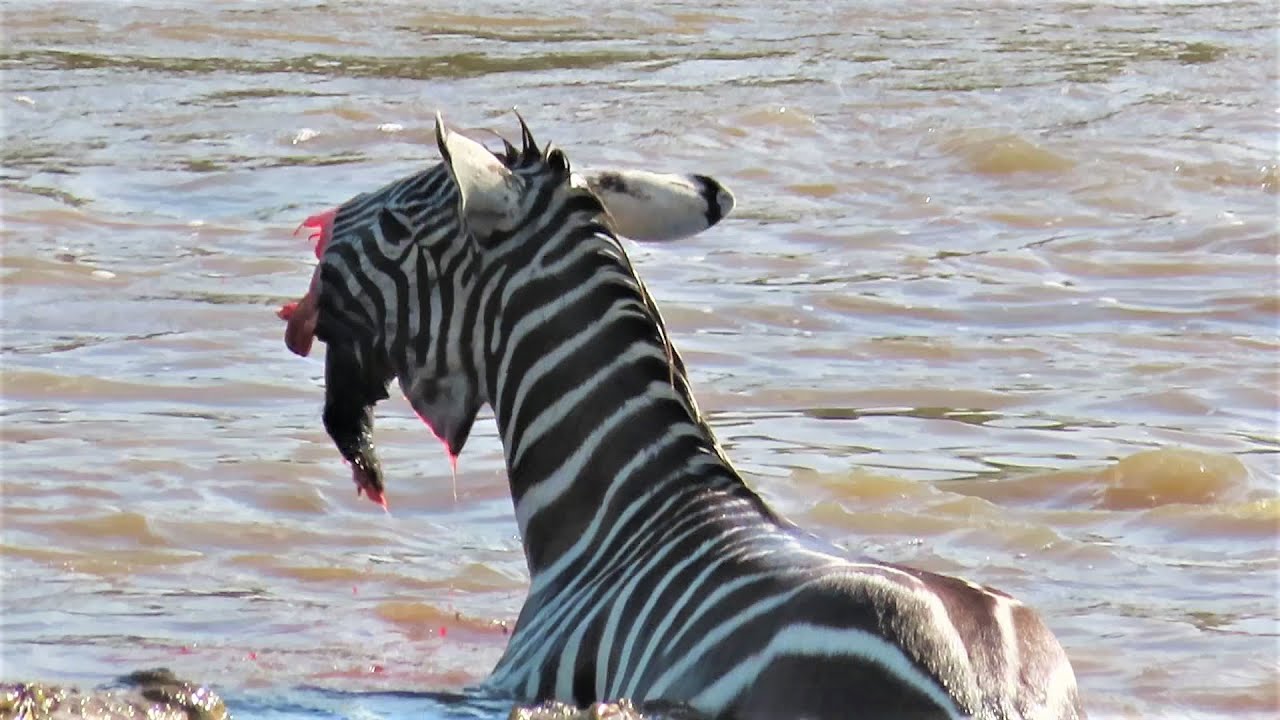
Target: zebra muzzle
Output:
{"points": [[351, 392], [353, 436]]}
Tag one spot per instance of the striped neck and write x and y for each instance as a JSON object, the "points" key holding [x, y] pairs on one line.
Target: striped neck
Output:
{"points": [[591, 400]]}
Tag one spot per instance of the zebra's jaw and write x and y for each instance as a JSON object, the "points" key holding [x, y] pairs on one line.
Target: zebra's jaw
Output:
{"points": [[448, 405]]}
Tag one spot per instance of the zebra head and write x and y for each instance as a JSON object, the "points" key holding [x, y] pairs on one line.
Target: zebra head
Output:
{"points": [[399, 289]]}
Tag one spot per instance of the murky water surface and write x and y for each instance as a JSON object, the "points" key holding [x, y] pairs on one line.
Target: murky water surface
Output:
{"points": [[1000, 299]]}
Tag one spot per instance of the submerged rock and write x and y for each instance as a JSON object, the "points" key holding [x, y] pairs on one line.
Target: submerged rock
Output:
{"points": [[152, 694]]}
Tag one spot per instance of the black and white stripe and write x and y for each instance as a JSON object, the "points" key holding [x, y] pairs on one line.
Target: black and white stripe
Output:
{"points": [[657, 574]]}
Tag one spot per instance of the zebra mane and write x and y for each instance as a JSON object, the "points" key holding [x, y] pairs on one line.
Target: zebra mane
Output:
{"points": [[530, 155], [675, 364]]}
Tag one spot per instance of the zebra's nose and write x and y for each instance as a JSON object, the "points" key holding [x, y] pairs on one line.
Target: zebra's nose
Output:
{"points": [[726, 201], [719, 200]]}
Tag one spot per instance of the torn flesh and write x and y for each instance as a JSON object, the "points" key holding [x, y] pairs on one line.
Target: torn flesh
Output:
{"points": [[302, 315]]}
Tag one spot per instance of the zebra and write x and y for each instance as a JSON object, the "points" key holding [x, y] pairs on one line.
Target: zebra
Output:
{"points": [[656, 573]]}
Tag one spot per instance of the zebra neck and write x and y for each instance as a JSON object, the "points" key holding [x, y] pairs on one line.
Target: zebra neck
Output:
{"points": [[593, 407]]}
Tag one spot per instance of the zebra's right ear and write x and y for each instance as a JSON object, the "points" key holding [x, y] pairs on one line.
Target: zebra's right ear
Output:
{"points": [[490, 192], [658, 206]]}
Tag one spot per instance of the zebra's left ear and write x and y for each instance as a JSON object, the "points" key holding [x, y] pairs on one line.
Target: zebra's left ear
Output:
{"points": [[490, 192]]}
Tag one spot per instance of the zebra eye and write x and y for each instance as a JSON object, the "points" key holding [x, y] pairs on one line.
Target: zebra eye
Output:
{"points": [[558, 162]]}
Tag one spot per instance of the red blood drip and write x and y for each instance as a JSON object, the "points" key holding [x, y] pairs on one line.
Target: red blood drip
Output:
{"points": [[453, 458], [252, 656], [453, 465], [443, 631], [286, 311], [374, 494]]}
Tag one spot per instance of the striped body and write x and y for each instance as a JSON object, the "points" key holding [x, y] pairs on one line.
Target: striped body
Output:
{"points": [[656, 573]]}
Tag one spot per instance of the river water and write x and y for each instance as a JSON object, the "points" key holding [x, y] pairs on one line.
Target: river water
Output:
{"points": [[999, 299]]}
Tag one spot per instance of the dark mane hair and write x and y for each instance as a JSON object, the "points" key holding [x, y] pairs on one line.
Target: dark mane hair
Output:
{"points": [[530, 158]]}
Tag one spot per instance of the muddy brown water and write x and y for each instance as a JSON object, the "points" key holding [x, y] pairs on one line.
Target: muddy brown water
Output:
{"points": [[999, 299]]}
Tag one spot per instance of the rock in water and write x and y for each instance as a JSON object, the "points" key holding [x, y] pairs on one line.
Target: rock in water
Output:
{"points": [[152, 694]]}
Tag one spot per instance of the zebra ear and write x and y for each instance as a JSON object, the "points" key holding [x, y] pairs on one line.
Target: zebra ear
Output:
{"points": [[657, 206], [490, 192]]}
